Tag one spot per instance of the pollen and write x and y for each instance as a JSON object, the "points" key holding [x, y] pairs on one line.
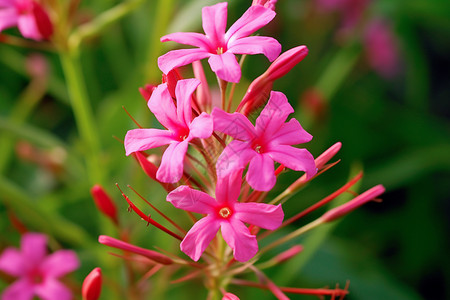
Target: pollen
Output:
{"points": [[219, 50], [225, 212]]}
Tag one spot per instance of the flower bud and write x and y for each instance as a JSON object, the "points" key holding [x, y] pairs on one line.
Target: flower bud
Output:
{"points": [[104, 203], [266, 3], [203, 92], [92, 285], [230, 296], [146, 91], [288, 254], [285, 62]]}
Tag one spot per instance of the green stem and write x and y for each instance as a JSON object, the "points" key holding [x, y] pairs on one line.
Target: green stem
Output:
{"points": [[83, 114]]}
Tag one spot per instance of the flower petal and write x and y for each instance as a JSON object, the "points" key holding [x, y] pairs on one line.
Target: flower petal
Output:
{"points": [[228, 188], [34, 247], [234, 157], [172, 163], [273, 115], [214, 21], [235, 125], [238, 237], [178, 58], [253, 19], [294, 158], [8, 17], [199, 236], [261, 173], [22, 289], [225, 66], [162, 106], [201, 127], [183, 93], [52, 289], [12, 262], [291, 133], [60, 263], [144, 139], [186, 198], [188, 38], [28, 27], [260, 214], [256, 45]]}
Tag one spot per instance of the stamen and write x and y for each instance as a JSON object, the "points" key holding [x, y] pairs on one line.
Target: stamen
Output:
{"points": [[219, 50], [225, 212]]}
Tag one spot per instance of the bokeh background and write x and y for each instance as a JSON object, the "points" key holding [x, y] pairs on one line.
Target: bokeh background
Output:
{"points": [[376, 79]]}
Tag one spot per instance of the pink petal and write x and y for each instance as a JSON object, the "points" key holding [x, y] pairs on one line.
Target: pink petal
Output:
{"points": [[294, 158], [225, 66], [199, 236], [214, 20], [260, 214], [12, 262], [274, 115], [34, 247], [291, 133], [256, 45], [183, 92], [230, 296], [201, 127], [8, 17], [253, 19], [178, 58], [22, 289], [228, 188], [189, 38], [172, 163], [144, 139], [238, 237], [261, 173], [52, 289], [235, 125], [43, 23], [60, 263], [162, 106], [186, 198], [234, 157], [28, 27]]}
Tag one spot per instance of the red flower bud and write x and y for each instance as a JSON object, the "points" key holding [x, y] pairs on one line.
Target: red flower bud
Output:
{"points": [[92, 285], [104, 203]]}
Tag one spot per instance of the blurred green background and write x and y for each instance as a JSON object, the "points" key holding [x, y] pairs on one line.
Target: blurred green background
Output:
{"points": [[395, 128]]}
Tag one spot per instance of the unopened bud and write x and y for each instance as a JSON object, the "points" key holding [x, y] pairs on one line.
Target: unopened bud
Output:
{"points": [[104, 203], [285, 62], [230, 296], [43, 23], [348, 207], [171, 79], [92, 285], [203, 92], [288, 254], [327, 155]]}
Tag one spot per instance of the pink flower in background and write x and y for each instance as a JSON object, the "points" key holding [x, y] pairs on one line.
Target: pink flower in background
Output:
{"points": [[351, 11], [268, 141], [181, 128], [29, 16], [381, 48], [226, 213], [38, 272], [220, 46]]}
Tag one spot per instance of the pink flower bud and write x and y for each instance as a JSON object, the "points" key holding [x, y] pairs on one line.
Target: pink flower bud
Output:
{"points": [[147, 91], [149, 168], [104, 203], [285, 62], [203, 92], [92, 285], [153, 255], [327, 155], [348, 207], [288, 254], [230, 296]]}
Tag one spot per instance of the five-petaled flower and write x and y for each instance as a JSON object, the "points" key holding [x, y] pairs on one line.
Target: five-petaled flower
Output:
{"points": [[226, 213], [38, 272], [28, 15], [220, 46], [268, 141], [181, 128]]}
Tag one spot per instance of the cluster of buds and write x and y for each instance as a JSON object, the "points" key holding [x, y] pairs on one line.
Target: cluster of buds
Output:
{"points": [[218, 167]]}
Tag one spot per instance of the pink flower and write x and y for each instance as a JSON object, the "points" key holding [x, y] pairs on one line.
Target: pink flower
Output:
{"points": [[266, 3], [38, 272], [182, 129], [28, 15], [220, 46], [268, 141], [226, 213]]}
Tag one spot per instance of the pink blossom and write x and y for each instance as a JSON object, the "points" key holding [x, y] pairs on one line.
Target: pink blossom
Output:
{"points": [[266, 3], [260, 145], [28, 15], [220, 46], [351, 11], [226, 213], [38, 272], [181, 128]]}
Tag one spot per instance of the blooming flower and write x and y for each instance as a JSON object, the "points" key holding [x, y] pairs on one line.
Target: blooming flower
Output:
{"points": [[226, 213], [268, 141], [28, 15], [220, 46], [38, 273], [181, 128]]}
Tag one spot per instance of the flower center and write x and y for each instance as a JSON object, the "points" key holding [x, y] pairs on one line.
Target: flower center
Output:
{"points": [[219, 50], [225, 212], [35, 276]]}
